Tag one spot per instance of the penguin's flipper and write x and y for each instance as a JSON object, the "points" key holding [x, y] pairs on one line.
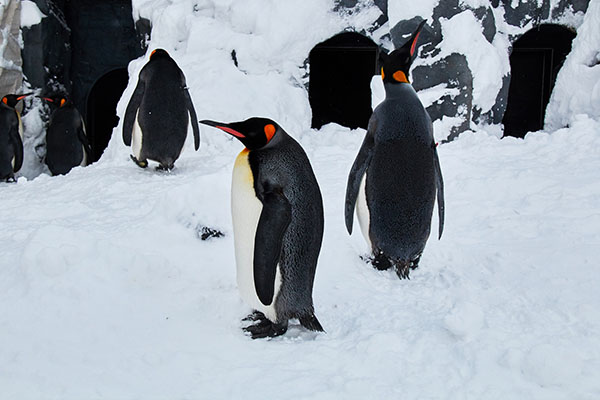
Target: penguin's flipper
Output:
{"points": [[193, 119], [131, 111], [439, 183], [272, 224], [17, 144], [363, 158], [84, 141]]}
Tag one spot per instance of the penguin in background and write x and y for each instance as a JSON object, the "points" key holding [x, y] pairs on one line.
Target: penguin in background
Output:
{"points": [[11, 137], [396, 175], [277, 213], [67, 145], [159, 113]]}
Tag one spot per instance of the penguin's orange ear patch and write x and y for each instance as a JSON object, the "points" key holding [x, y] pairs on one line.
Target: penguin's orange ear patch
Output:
{"points": [[382, 74], [62, 102], [5, 100], [269, 131], [151, 54], [400, 76]]}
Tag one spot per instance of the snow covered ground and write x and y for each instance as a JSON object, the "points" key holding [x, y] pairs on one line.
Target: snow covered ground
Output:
{"points": [[106, 291]]}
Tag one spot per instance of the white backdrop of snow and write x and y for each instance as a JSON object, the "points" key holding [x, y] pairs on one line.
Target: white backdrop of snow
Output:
{"points": [[106, 291]]}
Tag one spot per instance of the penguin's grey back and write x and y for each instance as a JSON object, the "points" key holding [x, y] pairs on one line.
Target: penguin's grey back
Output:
{"points": [[163, 113], [400, 181], [286, 165], [63, 148]]}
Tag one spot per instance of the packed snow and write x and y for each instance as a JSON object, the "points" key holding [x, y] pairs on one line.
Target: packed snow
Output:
{"points": [[107, 290]]}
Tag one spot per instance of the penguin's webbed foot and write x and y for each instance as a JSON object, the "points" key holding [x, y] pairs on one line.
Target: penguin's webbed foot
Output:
{"points": [[255, 316], [265, 328], [162, 168], [141, 164], [381, 262], [10, 179], [403, 270]]}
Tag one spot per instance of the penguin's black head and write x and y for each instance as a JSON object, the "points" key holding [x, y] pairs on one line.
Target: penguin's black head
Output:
{"points": [[254, 133], [158, 53], [396, 65], [11, 100]]}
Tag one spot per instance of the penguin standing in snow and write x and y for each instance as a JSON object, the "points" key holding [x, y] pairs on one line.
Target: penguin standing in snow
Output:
{"points": [[67, 145], [396, 175], [159, 113], [11, 137], [277, 213]]}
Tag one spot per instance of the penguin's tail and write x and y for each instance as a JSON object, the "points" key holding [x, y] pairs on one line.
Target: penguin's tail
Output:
{"points": [[310, 322]]}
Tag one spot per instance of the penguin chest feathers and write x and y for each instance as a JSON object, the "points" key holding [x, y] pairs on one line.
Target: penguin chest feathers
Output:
{"points": [[246, 209]]}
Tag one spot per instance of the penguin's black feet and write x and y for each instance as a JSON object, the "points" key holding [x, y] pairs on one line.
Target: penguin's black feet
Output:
{"points": [[255, 316], [10, 179], [165, 168], [265, 328], [381, 262], [403, 269], [141, 164]]}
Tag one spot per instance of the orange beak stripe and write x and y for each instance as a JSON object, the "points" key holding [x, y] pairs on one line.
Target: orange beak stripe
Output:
{"points": [[231, 131], [269, 131], [414, 45]]}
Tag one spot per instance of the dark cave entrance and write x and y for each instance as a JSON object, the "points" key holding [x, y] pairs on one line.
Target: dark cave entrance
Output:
{"points": [[536, 58], [339, 90], [101, 110]]}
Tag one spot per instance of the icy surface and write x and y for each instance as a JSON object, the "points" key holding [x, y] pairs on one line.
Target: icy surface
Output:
{"points": [[107, 292]]}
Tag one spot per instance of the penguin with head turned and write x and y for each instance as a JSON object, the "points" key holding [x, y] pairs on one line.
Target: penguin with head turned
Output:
{"points": [[396, 175], [277, 213], [67, 145], [11, 137], [159, 113]]}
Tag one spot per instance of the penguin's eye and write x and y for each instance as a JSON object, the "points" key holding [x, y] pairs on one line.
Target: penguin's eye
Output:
{"points": [[269, 131]]}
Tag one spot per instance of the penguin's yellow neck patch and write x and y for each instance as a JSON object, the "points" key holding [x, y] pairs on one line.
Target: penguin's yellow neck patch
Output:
{"points": [[400, 76]]}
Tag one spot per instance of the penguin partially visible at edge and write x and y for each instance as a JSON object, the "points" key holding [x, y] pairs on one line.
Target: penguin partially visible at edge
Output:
{"points": [[396, 175], [277, 213], [11, 137], [67, 145], [159, 113]]}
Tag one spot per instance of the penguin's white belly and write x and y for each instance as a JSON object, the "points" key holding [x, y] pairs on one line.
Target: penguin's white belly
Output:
{"points": [[362, 210], [84, 158], [246, 209], [136, 138], [20, 128]]}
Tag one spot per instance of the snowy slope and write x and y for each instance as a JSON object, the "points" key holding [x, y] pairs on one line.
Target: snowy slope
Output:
{"points": [[106, 291]]}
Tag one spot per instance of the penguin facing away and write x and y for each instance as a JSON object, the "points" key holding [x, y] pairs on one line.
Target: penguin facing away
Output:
{"points": [[277, 213], [159, 113], [67, 145], [396, 175], [11, 137]]}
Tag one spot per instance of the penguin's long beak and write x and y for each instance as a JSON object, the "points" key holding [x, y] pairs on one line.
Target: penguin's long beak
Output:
{"points": [[224, 127], [21, 97]]}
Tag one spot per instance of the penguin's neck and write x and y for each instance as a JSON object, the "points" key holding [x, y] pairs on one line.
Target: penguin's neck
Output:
{"points": [[394, 90]]}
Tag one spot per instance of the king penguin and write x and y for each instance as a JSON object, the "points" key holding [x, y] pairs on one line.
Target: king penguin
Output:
{"points": [[277, 213], [11, 137], [159, 113], [67, 145], [396, 175]]}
